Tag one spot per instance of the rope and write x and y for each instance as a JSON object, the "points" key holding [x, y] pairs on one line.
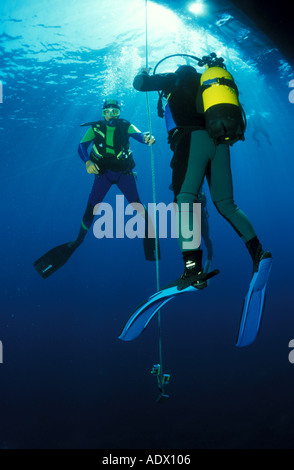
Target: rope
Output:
{"points": [[153, 193], [154, 203]]}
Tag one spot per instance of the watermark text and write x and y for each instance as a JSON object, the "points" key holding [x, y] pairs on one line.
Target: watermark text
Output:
{"points": [[1, 352], [135, 221], [291, 355], [291, 94]]}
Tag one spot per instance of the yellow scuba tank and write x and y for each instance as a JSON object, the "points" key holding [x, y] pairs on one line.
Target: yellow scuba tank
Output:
{"points": [[224, 115]]}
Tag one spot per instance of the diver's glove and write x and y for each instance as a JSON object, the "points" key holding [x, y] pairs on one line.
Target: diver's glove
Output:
{"points": [[145, 70], [92, 168], [148, 139]]}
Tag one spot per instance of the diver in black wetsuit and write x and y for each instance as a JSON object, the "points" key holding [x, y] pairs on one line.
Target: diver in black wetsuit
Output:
{"points": [[195, 156]]}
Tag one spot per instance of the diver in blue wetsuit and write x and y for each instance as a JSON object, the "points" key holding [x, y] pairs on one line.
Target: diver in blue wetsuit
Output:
{"points": [[111, 162]]}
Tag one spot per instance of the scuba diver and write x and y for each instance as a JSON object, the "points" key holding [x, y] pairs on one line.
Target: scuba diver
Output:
{"points": [[111, 162], [203, 117], [257, 122], [197, 155]]}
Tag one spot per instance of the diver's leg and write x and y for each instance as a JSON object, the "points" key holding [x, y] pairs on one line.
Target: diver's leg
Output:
{"points": [[263, 131], [201, 150], [101, 186], [221, 189], [127, 185], [58, 256]]}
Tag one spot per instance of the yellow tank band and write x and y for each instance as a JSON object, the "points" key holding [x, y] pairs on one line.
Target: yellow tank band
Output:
{"points": [[217, 93]]}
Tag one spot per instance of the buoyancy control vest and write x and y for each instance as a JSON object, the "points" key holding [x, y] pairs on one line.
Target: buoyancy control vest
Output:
{"points": [[111, 148]]}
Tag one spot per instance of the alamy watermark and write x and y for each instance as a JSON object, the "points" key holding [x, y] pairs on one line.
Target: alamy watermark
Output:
{"points": [[291, 355], [1, 352], [1, 92], [172, 221], [291, 94]]}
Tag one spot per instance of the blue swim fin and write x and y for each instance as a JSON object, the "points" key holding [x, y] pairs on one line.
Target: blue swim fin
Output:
{"points": [[143, 314], [253, 305]]}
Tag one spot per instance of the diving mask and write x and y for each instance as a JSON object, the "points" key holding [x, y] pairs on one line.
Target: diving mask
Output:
{"points": [[115, 112]]}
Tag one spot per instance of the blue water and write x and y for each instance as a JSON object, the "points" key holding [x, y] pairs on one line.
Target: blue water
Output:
{"points": [[66, 380]]}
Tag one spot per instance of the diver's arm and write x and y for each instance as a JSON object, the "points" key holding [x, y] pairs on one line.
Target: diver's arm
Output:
{"points": [[82, 151], [143, 138], [157, 82], [88, 138], [84, 144]]}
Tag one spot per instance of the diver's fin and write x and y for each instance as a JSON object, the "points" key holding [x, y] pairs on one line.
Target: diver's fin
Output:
{"points": [[253, 305], [143, 314], [149, 245], [139, 320], [54, 259]]}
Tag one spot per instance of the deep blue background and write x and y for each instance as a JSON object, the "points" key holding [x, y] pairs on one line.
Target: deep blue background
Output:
{"points": [[66, 380]]}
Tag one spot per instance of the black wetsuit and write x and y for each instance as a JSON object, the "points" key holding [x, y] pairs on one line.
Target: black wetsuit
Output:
{"points": [[195, 154], [201, 198]]}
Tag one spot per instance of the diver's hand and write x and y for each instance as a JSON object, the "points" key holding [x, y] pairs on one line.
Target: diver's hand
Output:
{"points": [[149, 139], [92, 168], [145, 70]]}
